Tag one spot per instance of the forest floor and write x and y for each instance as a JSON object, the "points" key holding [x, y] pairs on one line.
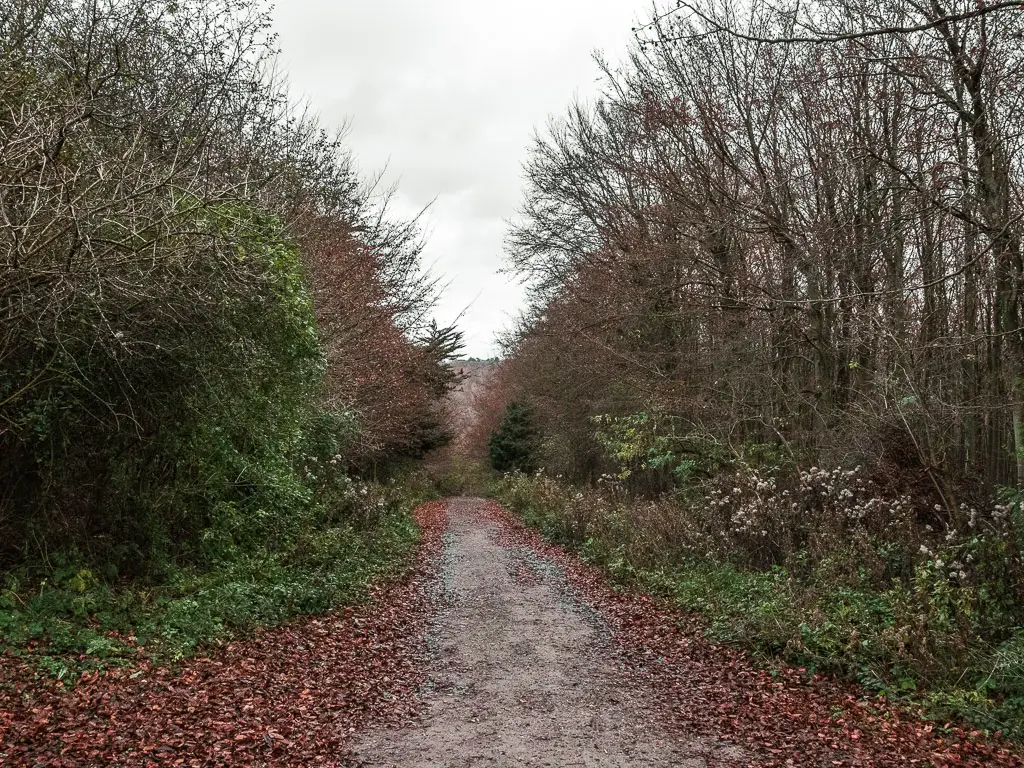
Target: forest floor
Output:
{"points": [[536, 661], [496, 649]]}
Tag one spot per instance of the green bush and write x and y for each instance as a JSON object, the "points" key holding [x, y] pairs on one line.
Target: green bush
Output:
{"points": [[179, 420]]}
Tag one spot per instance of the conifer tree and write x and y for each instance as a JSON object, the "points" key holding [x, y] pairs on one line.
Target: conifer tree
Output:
{"points": [[513, 446]]}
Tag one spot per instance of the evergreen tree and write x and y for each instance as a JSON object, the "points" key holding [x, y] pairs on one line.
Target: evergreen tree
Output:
{"points": [[513, 446]]}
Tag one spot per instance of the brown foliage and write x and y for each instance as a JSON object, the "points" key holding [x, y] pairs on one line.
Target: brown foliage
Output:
{"points": [[370, 298]]}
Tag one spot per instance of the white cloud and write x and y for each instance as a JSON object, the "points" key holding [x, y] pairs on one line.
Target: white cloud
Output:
{"points": [[447, 95]]}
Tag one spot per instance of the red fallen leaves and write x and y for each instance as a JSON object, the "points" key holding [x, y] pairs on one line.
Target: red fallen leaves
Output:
{"points": [[719, 692], [287, 696]]}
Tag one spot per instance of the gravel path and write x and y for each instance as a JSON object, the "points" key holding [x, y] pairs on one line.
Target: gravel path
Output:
{"points": [[523, 675]]}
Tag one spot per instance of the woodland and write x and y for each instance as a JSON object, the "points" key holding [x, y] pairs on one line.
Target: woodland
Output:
{"points": [[216, 359], [763, 411], [772, 364]]}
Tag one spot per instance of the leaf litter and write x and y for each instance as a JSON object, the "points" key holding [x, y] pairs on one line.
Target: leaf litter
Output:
{"points": [[292, 695], [297, 694], [786, 719]]}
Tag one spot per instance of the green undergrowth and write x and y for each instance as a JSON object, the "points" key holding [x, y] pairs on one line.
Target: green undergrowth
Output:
{"points": [[233, 500], [74, 619], [907, 642]]}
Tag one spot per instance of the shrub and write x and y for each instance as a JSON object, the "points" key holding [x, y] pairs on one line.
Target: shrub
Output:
{"points": [[326, 555], [209, 334]]}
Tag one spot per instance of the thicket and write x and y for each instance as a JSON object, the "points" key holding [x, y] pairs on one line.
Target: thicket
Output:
{"points": [[211, 333], [789, 239]]}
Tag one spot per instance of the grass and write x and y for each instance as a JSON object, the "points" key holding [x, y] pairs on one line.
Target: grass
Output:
{"points": [[73, 621]]}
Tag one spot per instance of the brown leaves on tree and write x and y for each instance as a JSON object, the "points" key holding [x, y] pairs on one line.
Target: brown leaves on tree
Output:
{"points": [[286, 696], [365, 299], [787, 719]]}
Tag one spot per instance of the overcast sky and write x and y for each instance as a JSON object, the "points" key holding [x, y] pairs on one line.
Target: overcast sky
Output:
{"points": [[447, 95]]}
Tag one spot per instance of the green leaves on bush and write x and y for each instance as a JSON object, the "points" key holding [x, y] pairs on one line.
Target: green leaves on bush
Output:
{"points": [[653, 449], [312, 563], [206, 326]]}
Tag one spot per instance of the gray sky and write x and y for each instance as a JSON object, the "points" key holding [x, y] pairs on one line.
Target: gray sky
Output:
{"points": [[447, 95]]}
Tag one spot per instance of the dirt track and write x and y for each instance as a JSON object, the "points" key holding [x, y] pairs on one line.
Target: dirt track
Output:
{"points": [[523, 675]]}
